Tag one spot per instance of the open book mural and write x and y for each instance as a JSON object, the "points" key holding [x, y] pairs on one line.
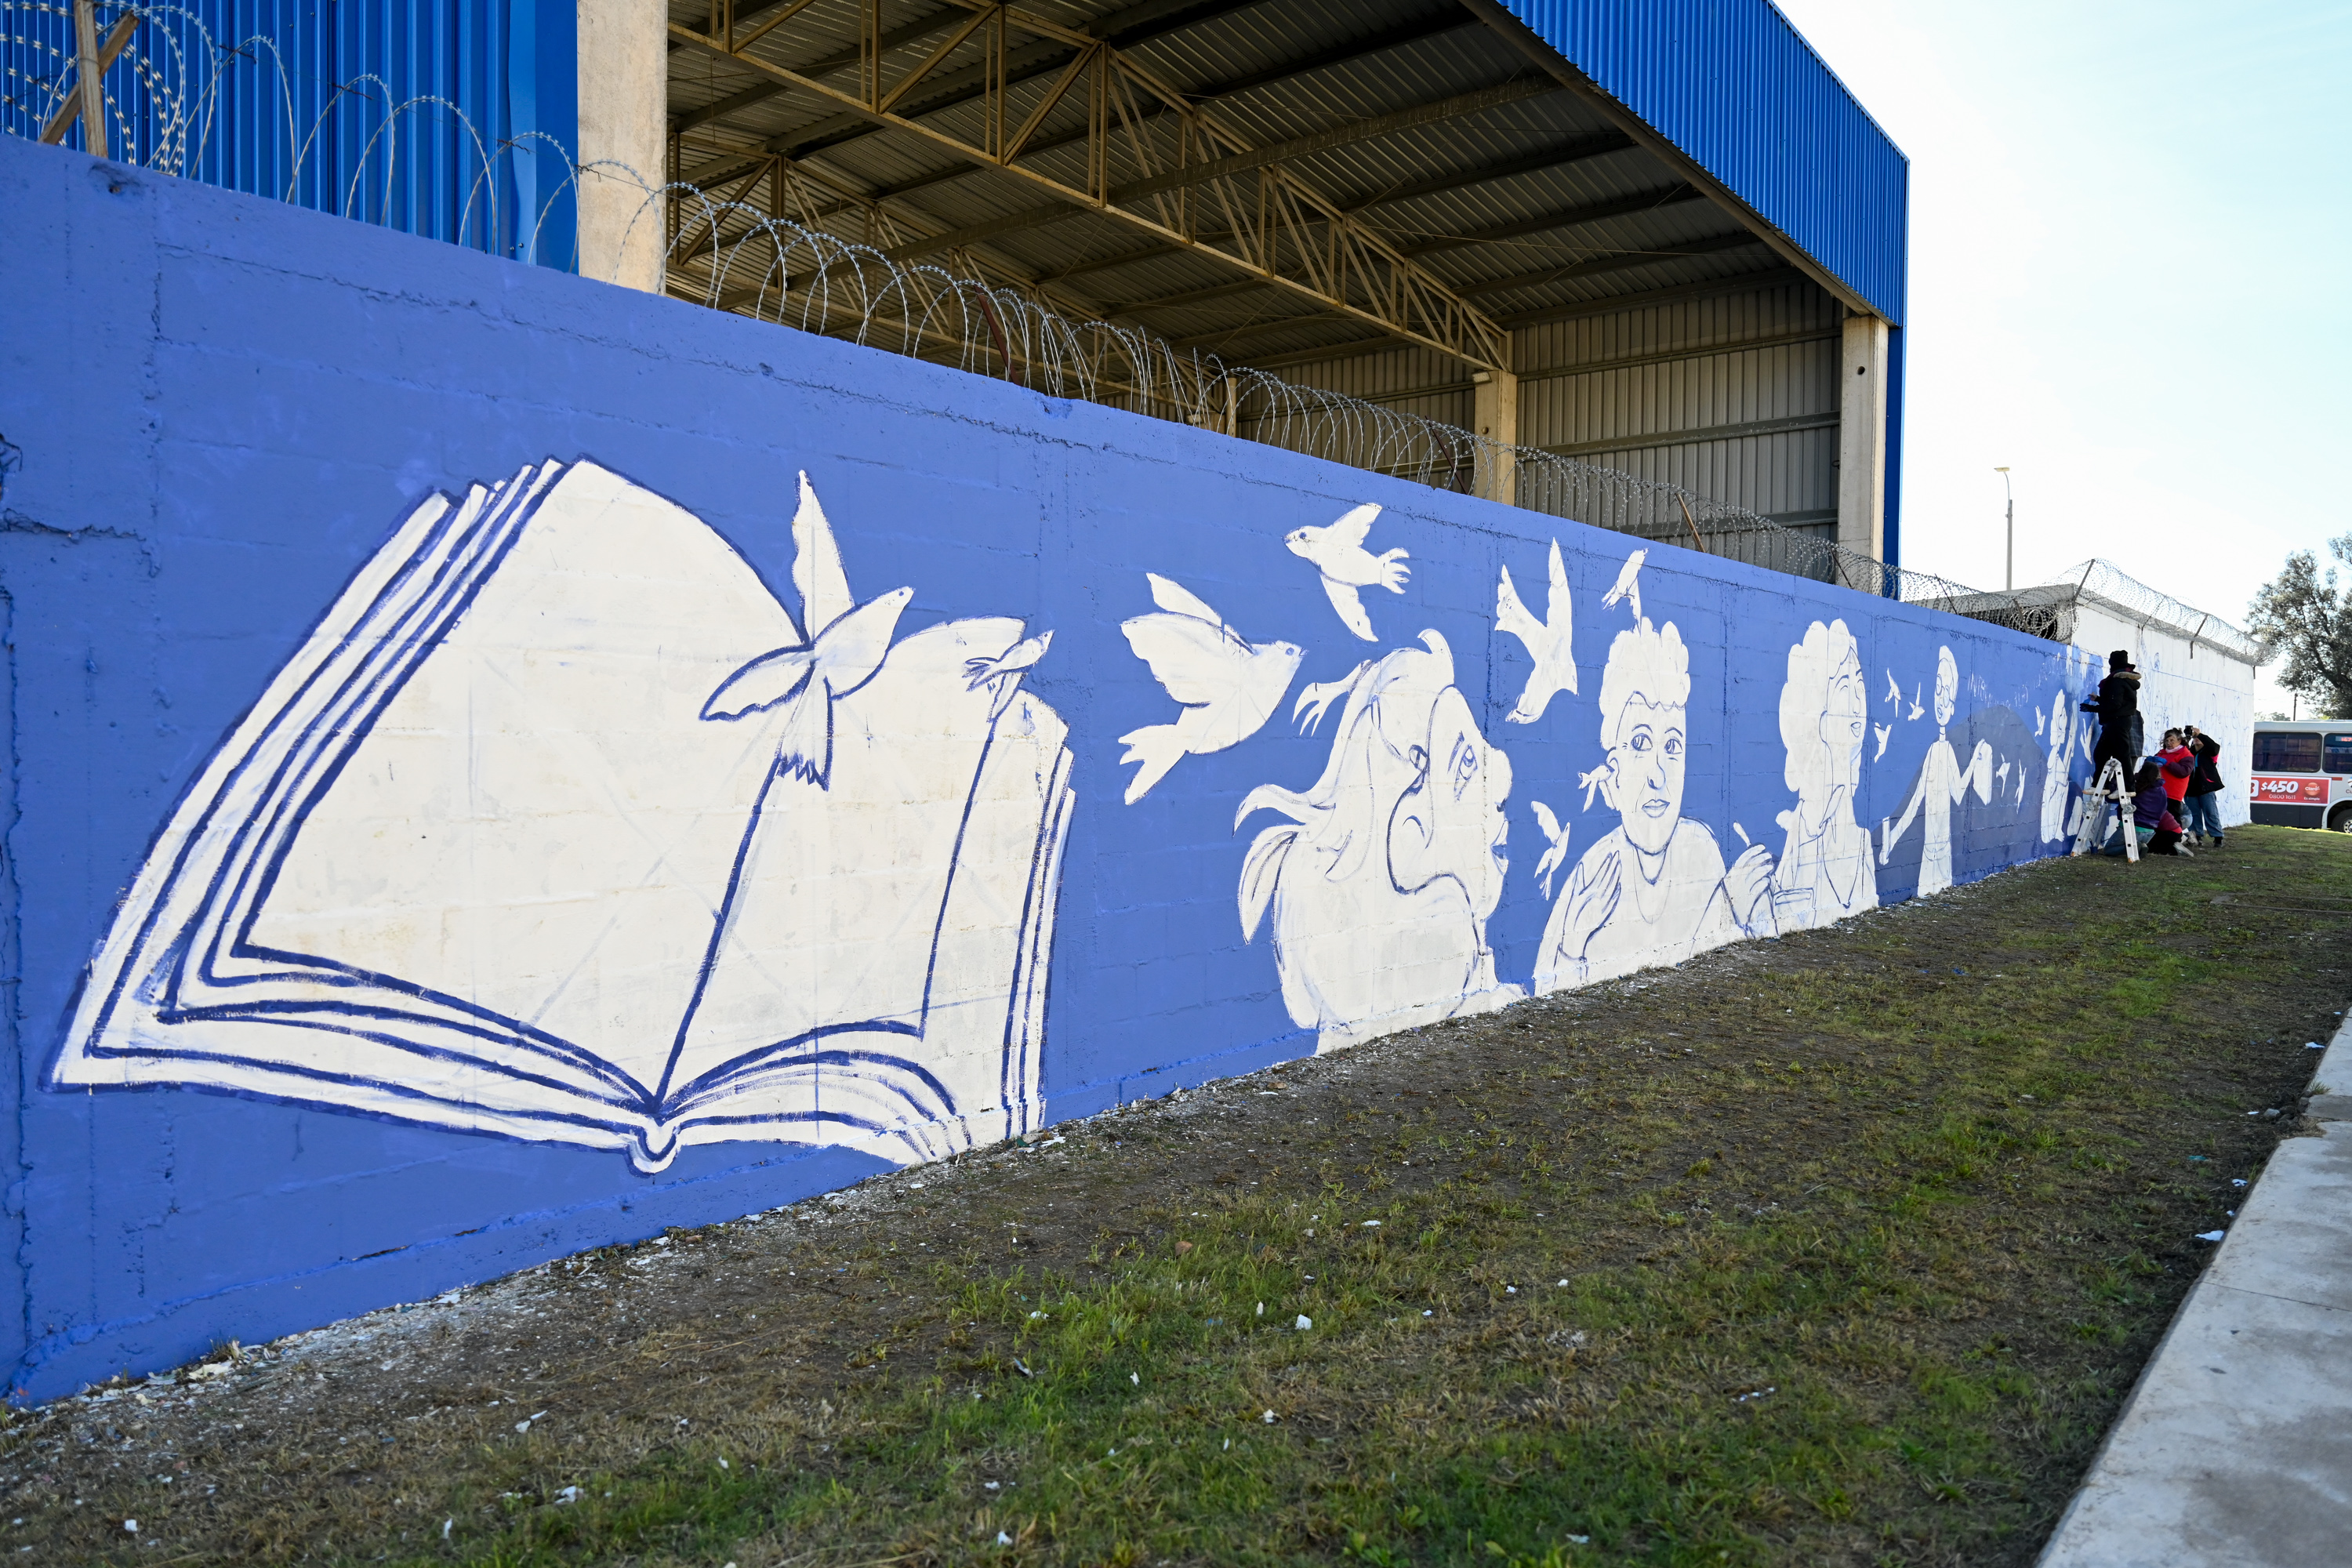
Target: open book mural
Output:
{"points": [[559, 826]]}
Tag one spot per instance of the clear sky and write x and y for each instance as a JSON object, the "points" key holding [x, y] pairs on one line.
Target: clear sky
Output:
{"points": [[2131, 237]]}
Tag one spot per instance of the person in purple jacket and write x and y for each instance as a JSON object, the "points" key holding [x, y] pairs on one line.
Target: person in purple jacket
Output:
{"points": [[2152, 818]]}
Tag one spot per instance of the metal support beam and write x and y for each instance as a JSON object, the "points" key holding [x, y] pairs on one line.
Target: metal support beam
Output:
{"points": [[1568, 218], [1325, 141], [1282, 232], [1694, 438], [1618, 262], [1739, 283]]}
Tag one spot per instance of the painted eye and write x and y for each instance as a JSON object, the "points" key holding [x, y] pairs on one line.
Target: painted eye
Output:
{"points": [[1673, 745], [1639, 742]]}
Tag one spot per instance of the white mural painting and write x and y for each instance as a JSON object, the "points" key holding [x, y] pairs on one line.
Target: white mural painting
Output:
{"points": [[1655, 891], [559, 826], [1942, 784], [1825, 872], [1546, 640], [2056, 769], [1337, 552], [1227, 686], [1378, 886], [1628, 585]]}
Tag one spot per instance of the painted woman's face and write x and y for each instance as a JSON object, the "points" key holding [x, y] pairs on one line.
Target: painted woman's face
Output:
{"points": [[1462, 807], [1646, 771], [1844, 718], [1948, 688]]}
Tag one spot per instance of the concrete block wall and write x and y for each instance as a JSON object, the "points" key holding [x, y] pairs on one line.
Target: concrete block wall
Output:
{"points": [[325, 795]]}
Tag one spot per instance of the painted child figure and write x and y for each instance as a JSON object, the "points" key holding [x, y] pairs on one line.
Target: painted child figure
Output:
{"points": [[1942, 786], [1655, 889]]}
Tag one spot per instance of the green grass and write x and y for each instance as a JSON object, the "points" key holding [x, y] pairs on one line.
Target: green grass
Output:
{"points": [[1861, 1255]]}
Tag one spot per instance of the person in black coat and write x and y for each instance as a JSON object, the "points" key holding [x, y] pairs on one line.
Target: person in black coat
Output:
{"points": [[2117, 706]]}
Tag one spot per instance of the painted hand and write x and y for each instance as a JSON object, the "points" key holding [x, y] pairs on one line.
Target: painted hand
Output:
{"points": [[1595, 902], [1748, 883]]}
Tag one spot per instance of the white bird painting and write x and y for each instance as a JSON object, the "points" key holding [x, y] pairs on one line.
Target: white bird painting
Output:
{"points": [[1227, 685], [1917, 706], [1882, 731], [843, 644], [1555, 834], [2001, 777], [2037, 724], [1546, 640], [2020, 784], [1337, 550], [1002, 675], [1629, 584], [1894, 692]]}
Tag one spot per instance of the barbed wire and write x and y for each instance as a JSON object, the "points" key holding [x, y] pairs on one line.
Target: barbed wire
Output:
{"points": [[750, 259]]}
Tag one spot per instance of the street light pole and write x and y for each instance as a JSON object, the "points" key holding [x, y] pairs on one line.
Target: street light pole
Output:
{"points": [[2008, 573]]}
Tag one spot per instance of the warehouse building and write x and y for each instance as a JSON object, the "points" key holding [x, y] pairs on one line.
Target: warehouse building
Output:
{"points": [[1655, 236]]}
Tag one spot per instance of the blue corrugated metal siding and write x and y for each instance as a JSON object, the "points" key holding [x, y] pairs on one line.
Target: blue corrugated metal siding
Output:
{"points": [[444, 118], [1739, 89]]}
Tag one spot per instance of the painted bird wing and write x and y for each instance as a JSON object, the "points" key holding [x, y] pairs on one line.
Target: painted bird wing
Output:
{"points": [[817, 576], [1194, 659], [850, 650], [1557, 607], [1894, 692], [1351, 609], [1512, 616], [1354, 527], [1546, 821], [761, 684]]}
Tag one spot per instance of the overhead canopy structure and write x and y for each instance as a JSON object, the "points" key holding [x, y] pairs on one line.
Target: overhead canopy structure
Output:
{"points": [[1671, 209]]}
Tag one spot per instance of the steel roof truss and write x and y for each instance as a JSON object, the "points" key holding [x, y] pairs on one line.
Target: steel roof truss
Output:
{"points": [[1283, 232]]}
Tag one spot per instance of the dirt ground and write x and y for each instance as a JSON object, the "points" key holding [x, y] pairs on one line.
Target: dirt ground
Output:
{"points": [[1923, 1188]]}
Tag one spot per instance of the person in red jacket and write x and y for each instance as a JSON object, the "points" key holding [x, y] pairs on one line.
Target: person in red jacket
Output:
{"points": [[2180, 765]]}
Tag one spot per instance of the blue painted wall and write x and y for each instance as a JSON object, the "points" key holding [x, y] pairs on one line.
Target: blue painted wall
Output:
{"points": [[225, 405]]}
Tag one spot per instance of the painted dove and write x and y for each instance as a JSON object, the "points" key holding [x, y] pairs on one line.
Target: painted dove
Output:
{"points": [[844, 646], [1337, 550], [1882, 731], [1628, 582], [1555, 834], [2037, 724], [2001, 774], [1546, 640], [1227, 685], [1003, 673], [1917, 706], [1894, 692]]}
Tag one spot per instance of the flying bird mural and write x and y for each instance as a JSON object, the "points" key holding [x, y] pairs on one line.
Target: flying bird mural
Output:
{"points": [[1894, 692], [1002, 675], [1629, 584], [1555, 834], [1546, 640], [844, 646], [1337, 550], [1227, 685], [1883, 731], [1917, 706]]}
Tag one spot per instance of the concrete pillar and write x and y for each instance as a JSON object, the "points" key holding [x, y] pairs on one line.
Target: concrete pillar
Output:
{"points": [[624, 114], [1496, 415], [1862, 438]]}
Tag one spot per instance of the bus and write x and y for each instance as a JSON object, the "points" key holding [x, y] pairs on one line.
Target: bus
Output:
{"points": [[2302, 776]]}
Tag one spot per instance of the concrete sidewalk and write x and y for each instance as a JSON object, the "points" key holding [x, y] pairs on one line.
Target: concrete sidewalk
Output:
{"points": [[2235, 1450]]}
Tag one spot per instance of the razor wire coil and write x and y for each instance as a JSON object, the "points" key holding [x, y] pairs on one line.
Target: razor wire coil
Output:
{"points": [[734, 255]]}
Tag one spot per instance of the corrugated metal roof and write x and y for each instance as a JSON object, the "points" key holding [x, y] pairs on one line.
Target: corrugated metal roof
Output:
{"points": [[1733, 85]]}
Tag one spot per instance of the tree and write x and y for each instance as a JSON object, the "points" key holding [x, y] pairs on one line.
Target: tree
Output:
{"points": [[2307, 621]]}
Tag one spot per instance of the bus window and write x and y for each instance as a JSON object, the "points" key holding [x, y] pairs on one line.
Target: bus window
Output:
{"points": [[2340, 754], [2286, 752]]}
